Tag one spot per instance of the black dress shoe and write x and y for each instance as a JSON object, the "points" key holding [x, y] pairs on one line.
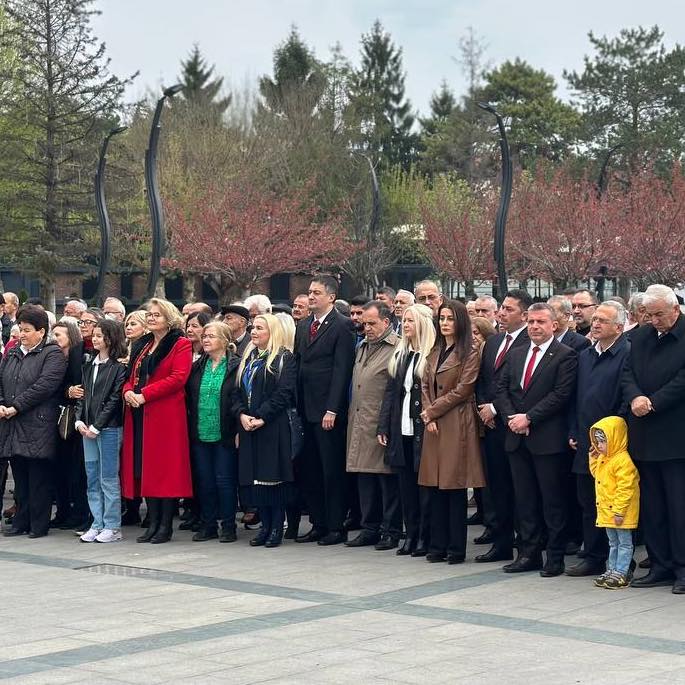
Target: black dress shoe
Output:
{"points": [[189, 523], [421, 549], [260, 539], [655, 578], [314, 535], [351, 524], [228, 535], [333, 538], [408, 546], [571, 548], [13, 532], [486, 538], [645, 563], [364, 539], [33, 535], [386, 543], [494, 554], [679, 586], [204, 535], [523, 564], [585, 568], [455, 559], [551, 570], [435, 557], [475, 519], [275, 538]]}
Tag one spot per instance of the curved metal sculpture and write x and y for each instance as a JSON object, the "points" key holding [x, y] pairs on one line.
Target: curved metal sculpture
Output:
{"points": [[103, 216], [153, 198], [504, 201]]}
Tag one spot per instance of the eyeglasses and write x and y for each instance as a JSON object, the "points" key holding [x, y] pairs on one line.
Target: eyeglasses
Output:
{"points": [[154, 315], [208, 336], [86, 322], [583, 306]]}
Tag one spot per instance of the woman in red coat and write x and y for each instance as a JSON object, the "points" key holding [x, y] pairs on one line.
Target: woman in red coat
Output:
{"points": [[155, 461]]}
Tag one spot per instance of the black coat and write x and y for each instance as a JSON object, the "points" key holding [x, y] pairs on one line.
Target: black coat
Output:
{"points": [[575, 341], [546, 401], [229, 425], [324, 366], [6, 328], [102, 405], [390, 417], [265, 454], [31, 384], [656, 368], [598, 394]]}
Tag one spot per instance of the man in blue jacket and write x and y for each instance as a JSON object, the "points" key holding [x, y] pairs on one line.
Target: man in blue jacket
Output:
{"points": [[598, 394]]}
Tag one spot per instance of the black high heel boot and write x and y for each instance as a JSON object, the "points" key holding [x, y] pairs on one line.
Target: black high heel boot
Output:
{"points": [[153, 515], [166, 521]]}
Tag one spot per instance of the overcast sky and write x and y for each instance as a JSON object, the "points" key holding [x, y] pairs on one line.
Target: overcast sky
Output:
{"points": [[239, 36]]}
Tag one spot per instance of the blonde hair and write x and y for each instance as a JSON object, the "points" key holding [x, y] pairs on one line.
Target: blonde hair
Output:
{"points": [[169, 310], [288, 324], [224, 333], [425, 339], [277, 343], [140, 315]]}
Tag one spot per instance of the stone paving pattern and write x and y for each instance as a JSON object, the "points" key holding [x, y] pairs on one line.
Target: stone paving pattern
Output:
{"points": [[210, 613]]}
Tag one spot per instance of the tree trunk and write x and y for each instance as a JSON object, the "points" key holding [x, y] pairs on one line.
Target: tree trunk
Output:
{"points": [[47, 293], [623, 287], [160, 290], [189, 288]]}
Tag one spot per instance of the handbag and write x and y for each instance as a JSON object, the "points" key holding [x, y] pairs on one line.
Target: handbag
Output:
{"points": [[66, 420]]}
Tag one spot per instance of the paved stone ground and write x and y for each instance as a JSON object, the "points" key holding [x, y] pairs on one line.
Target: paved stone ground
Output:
{"points": [[188, 612]]}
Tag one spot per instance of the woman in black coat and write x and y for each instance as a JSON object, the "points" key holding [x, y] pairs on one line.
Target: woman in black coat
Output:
{"points": [[400, 427], [212, 429], [30, 383], [266, 391]]}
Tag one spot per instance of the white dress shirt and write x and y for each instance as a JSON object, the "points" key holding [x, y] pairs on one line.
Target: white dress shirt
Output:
{"points": [[514, 334], [543, 350]]}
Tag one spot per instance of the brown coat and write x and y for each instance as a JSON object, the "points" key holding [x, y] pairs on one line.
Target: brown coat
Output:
{"points": [[451, 458], [369, 379]]}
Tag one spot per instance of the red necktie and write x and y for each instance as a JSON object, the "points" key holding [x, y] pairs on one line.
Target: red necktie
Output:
{"points": [[505, 349], [529, 369], [313, 329]]}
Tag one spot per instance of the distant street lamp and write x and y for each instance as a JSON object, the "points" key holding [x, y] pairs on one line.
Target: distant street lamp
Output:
{"points": [[103, 216], [153, 198], [504, 200]]}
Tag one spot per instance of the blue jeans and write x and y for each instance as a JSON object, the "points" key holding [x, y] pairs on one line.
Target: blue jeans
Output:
{"points": [[620, 549], [101, 456], [216, 472]]}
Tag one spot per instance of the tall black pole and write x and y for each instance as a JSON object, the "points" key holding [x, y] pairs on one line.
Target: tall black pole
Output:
{"points": [[504, 200], [153, 198], [601, 189], [103, 216]]}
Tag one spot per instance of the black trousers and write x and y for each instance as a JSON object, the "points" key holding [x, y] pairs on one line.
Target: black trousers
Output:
{"points": [[379, 498], [500, 518], [574, 520], [323, 475], [541, 502], [448, 510], [662, 511], [33, 490], [594, 539], [415, 500]]}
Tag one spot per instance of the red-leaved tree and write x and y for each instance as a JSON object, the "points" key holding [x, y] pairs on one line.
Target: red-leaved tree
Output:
{"points": [[458, 226], [237, 234]]}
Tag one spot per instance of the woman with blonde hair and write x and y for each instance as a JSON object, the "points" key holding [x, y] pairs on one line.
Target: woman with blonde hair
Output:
{"points": [[288, 324], [400, 427], [266, 383], [155, 461]]}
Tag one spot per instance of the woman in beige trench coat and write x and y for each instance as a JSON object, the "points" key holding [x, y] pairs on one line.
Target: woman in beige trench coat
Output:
{"points": [[450, 457]]}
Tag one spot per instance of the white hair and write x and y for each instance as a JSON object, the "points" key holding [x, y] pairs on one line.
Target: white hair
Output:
{"points": [[563, 303], [79, 304], [116, 302], [262, 302], [620, 310], [489, 299], [635, 302], [409, 294], [659, 293]]}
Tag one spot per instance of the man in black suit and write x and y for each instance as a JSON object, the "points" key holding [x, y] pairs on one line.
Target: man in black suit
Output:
{"points": [[562, 314], [654, 385], [534, 391], [324, 348], [512, 317], [583, 303]]}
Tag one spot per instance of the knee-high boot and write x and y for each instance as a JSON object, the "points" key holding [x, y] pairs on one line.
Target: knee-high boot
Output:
{"points": [[153, 518], [166, 523]]}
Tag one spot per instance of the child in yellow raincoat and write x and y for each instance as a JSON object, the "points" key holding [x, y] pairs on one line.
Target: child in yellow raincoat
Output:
{"points": [[617, 493]]}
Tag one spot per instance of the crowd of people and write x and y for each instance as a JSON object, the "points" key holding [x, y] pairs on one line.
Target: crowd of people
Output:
{"points": [[376, 415]]}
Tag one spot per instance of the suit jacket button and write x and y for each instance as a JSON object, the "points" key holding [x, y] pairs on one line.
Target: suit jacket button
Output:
{"points": [[416, 403]]}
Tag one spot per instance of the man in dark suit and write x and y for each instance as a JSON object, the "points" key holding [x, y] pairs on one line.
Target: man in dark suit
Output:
{"points": [[654, 385], [512, 317], [562, 314], [324, 348], [534, 391]]}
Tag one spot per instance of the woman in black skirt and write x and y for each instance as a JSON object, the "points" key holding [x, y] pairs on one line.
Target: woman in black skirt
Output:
{"points": [[266, 391]]}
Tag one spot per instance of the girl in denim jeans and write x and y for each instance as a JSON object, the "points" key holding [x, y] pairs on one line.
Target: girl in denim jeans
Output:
{"points": [[617, 491], [99, 420]]}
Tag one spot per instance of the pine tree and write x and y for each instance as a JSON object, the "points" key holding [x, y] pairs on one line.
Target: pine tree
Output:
{"points": [[63, 100], [442, 105], [378, 93], [199, 89]]}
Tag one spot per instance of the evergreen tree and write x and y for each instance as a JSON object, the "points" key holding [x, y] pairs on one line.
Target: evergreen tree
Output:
{"points": [[63, 99], [199, 89], [442, 105], [377, 92]]}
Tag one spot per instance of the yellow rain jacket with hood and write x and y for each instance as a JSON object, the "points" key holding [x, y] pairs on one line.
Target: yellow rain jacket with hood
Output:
{"points": [[617, 489]]}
